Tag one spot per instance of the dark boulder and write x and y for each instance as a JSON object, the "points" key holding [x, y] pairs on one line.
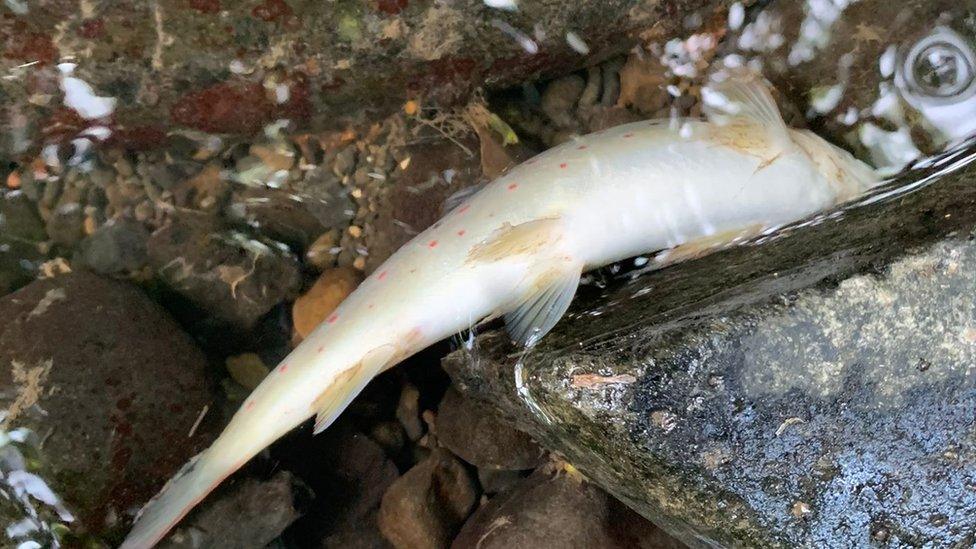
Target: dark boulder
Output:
{"points": [[108, 387], [813, 388]]}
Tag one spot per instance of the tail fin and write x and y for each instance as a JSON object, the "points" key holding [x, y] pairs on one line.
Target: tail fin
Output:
{"points": [[180, 494]]}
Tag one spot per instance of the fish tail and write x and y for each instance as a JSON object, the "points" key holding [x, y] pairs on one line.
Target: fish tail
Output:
{"points": [[243, 438], [180, 494]]}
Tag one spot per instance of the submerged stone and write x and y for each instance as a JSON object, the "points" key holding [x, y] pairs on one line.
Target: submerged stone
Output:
{"points": [[105, 398], [814, 388]]}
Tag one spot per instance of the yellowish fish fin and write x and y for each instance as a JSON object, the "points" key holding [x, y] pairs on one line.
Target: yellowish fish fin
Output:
{"points": [[515, 240], [702, 246], [744, 98], [348, 384], [543, 308]]}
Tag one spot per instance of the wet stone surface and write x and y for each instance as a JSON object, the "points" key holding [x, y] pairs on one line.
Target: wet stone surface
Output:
{"points": [[817, 390], [251, 513], [229, 66], [235, 277], [110, 391]]}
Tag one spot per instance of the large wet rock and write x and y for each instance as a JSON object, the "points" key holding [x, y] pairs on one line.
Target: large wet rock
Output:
{"points": [[814, 390], [105, 390], [251, 513], [232, 65], [425, 507], [21, 230], [557, 510], [229, 274], [476, 434]]}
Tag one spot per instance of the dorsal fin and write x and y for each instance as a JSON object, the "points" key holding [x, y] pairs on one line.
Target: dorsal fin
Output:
{"points": [[744, 97]]}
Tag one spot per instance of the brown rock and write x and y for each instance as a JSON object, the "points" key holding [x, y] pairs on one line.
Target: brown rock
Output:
{"points": [[168, 63], [481, 437], [111, 383], [251, 513], [555, 511], [425, 507], [313, 307], [233, 277]]}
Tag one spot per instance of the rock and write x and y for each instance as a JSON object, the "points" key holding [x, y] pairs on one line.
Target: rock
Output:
{"points": [[550, 511], [315, 305], [494, 481], [66, 224], [206, 191], [117, 247], [250, 513], [322, 253], [425, 507], [18, 264], [408, 412], [233, 277], [330, 59], [813, 390], [21, 230], [349, 474], [415, 198], [476, 434], [390, 435], [277, 214], [110, 384], [365, 534], [559, 100], [247, 369], [19, 219]]}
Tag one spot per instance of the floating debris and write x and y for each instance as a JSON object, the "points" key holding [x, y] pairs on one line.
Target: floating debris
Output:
{"points": [[737, 16], [507, 5], [80, 96], [527, 43], [577, 43]]}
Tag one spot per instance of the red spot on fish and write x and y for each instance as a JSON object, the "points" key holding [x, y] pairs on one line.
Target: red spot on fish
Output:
{"points": [[581, 148], [464, 208], [321, 348], [626, 135], [284, 368], [332, 319], [461, 232], [513, 186], [371, 305], [249, 405], [381, 276], [432, 244], [563, 165]]}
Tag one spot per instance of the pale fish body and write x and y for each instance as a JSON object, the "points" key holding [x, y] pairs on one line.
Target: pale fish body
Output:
{"points": [[518, 247]]}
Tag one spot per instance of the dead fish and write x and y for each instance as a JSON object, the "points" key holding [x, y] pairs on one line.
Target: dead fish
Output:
{"points": [[517, 248]]}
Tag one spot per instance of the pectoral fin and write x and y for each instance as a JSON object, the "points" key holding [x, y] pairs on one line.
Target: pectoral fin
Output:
{"points": [[348, 384], [543, 307]]}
